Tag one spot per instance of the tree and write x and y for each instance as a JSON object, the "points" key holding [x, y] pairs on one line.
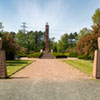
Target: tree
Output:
{"points": [[87, 45], [9, 45], [53, 44], [96, 17], [33, 41], [63, 43], [21, 39], [82, 33], [96, 22], [1, 27], [72, 39]]}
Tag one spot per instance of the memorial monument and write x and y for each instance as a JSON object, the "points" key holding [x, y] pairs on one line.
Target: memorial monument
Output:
{"points": [[3, 71], [47, 38]]}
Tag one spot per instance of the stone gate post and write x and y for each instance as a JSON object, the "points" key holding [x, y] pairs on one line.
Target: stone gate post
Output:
{"points": [[3, 71]]}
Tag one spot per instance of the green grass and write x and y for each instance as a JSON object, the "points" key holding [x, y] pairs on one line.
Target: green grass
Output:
{"points": [[15, 65], [83, 65]]}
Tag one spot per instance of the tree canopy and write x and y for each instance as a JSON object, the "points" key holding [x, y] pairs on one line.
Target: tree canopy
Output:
{"points": [[96, 17]]}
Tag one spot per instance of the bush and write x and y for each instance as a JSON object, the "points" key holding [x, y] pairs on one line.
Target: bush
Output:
{"points": [[71, 54], [83, 57], [9, 45], [22, 54], [60, 55], [35, 55], [87, 45]]}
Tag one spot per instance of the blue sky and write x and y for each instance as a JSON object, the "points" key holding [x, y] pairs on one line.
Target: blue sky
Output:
{"points": [[63, 16]]}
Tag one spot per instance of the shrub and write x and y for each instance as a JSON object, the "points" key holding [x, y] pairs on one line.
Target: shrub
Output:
{"points": [[60, 55], [72, 54], [22, 54], [35, 55], [83, 57], [87, 45], [9, 45]]}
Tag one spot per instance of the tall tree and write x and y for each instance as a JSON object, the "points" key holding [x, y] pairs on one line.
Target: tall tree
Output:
{"points": [[83, 32], [1, 27], [33, 41], [96, 17], [21, 39], [96, 22], [9, 45], [63, 43]]}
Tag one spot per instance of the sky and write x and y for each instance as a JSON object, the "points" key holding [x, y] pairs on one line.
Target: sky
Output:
{"points": [[63, 16]]}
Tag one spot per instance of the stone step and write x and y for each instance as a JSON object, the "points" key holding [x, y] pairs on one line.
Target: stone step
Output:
{"points": [[47, 56]]}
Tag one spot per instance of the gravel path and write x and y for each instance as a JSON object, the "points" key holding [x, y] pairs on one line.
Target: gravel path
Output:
{"points": [[52, 69], [49, 80]]}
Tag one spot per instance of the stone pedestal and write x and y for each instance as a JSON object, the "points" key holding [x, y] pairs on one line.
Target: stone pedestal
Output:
{"points": [[96, 68], [3, 71]]}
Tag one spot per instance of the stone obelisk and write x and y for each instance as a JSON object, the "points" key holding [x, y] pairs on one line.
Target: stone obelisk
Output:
{"points": [[46, 37], [3, 71]]}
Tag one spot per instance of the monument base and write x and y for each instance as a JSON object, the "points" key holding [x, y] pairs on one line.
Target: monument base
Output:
{"points": [[3, 71], [96, 68]]}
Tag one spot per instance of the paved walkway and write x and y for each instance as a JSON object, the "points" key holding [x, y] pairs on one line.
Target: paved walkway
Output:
{"points": [[50, 69], [49, 80]]}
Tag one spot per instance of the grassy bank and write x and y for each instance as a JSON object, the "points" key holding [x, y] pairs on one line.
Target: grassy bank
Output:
{"points": [[15, 65], [82, 65]]}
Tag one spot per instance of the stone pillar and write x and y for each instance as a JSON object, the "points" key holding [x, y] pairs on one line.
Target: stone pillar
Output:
{"points": [[96, 68], [3, 71], [47, 37]]}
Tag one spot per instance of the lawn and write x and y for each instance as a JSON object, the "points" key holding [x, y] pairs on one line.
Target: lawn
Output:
{"points": [[15, 65], [82, 65]]}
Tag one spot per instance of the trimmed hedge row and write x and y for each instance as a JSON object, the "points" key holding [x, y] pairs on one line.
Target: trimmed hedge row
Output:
{"points": [[83, 57], [60, 55], [35, 55], [71, 54], [30, 55]]}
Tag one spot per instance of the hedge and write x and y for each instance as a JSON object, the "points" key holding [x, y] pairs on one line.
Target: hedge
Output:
{"points": [[83, 57], [60, 55], [35, 55], [71, 54]]}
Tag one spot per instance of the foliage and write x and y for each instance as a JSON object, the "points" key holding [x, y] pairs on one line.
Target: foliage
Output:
{"points": [[9, 45], [72, 39], [83, 57], [16, 65], [21, 39], [87, 45], [33, 41], [59, 55], [82, 33], [53, 44], [63, 43], [96, 17], [35, 55], [22, 54], [1, 27], [82, 65], [72, 54]]}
